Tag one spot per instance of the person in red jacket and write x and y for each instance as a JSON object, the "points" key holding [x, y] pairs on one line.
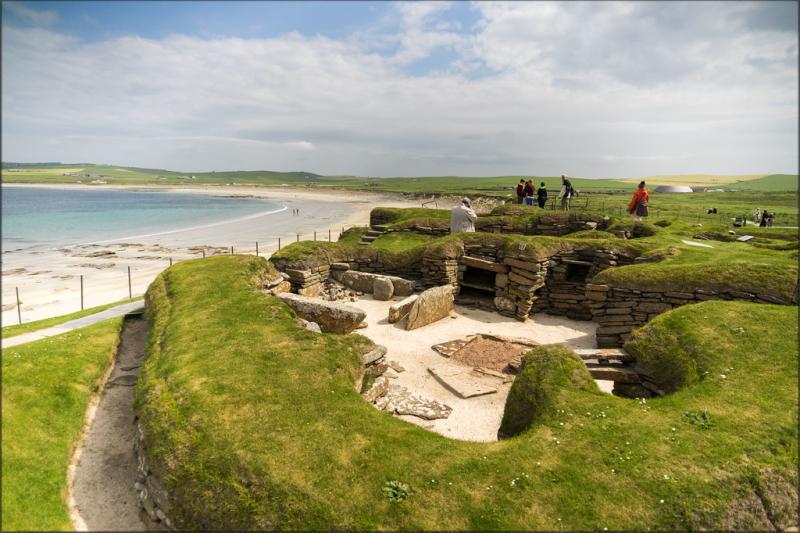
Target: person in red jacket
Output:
{"points": [[639, 203], [520, 191]]}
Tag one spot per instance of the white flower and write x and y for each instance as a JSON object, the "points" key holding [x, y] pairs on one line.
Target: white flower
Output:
{"points": [[666, 476], [660, 501]]}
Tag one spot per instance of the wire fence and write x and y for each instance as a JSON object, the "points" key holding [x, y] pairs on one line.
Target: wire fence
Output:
{"points": [[145, 274]]}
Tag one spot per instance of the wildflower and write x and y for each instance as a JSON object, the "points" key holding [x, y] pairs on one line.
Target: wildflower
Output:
{"points": [[723, 376], [666, 477], [660, 501]]}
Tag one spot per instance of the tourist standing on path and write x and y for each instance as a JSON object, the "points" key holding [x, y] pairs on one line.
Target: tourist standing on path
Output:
{"points": [[764, 217], [639, 203], [770, 218], [462, 217], [566, 192], [541, 195], [520, 191], [529, 192], [756, 216]]}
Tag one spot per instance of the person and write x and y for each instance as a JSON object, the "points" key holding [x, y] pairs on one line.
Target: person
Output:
{"points": [[462, 217], [756, 216], [639, 203], [541, 195], [566, 192], [520, 191], [770, 218], [529, 192], [764, 217]]}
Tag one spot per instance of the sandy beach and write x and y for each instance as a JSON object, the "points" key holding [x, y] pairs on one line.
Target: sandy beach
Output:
{"points": [[49, 278]]}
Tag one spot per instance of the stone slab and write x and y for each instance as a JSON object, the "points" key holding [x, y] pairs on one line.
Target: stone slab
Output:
{"points": [[460, 382]]}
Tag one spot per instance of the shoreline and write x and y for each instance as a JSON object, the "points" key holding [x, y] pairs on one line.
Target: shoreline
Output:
{"points": [[50, 280]]}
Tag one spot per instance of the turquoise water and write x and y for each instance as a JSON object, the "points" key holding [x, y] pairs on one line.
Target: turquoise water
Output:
{"points": [[39, 217]]}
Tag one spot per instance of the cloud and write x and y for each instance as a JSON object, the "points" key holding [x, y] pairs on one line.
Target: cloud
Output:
{"points": [[22, 13], [666, 88]]}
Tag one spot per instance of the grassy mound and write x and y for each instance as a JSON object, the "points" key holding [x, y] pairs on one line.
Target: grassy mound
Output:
{"points": [[47, 385], [542, 386], [254, 423]]}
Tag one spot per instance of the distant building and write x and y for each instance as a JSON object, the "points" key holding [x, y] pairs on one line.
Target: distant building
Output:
{"points": [[673, 188]]}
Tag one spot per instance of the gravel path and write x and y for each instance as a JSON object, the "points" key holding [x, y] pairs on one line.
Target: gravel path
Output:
{"points": [[103, 496]]}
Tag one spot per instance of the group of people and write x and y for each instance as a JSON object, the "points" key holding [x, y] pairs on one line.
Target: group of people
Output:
{"points": [[527, 194], [763, 219]]}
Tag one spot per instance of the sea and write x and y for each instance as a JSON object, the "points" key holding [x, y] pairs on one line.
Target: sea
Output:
{"points": [[34, 217]]}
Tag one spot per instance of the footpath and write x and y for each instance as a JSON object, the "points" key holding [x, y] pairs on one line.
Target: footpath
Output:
{"points": [[82, 322]]}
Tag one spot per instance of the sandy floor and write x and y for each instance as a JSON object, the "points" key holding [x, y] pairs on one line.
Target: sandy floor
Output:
{"points": [[475, 418], [49, 279]]}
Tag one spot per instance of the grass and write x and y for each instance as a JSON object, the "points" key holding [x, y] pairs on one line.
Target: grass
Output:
{"points": [[46, 388], [254, 423], [19, 329]]}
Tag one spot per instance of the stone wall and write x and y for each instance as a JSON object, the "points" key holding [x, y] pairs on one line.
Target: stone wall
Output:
{"points": [[565, 286], [618, 310], [153, 497], [554, 225]]}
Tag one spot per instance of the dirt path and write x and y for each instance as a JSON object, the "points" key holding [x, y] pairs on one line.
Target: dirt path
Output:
{"points": [[103, 495]]}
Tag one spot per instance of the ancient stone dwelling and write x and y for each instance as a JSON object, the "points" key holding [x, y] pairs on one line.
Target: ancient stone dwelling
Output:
{"points": [[490, 272]]}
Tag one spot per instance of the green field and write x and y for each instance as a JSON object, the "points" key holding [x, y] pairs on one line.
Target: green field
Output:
{"points": [[47, 385]]}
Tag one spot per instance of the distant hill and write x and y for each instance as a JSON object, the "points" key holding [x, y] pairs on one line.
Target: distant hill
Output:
{"points": [[497, 185], [773, 182]]}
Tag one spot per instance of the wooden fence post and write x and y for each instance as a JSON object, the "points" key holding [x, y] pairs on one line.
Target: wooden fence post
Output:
{"points": [[81, 292], [256, 248], [279, 243], [130, 290], [19, 312]]}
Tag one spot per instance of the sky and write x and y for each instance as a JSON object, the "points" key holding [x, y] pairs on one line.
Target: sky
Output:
{"points": [[589, 89]]}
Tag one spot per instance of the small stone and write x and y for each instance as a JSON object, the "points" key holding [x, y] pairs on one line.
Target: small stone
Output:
{"points": [[394, 365], [382, 289], [391, 374], [377, 389], [373, 355]]}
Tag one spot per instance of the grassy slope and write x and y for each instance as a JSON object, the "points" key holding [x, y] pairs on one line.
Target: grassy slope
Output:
{"points": [[46, 387], [256, 424], [19, 329], [773, 182]]}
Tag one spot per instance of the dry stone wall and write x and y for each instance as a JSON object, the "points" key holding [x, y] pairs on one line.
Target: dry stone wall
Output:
{"points": [[153, 497], [620, 310]]}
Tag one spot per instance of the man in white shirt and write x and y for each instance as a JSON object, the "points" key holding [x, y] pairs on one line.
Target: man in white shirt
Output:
{"points": [[462, 217]]}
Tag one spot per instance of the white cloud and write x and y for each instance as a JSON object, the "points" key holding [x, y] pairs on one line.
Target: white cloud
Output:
{"points": [[27, 15], [664, 89]]}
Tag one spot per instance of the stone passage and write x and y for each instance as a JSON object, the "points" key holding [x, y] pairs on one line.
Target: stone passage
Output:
{"points": [[103, 482]]}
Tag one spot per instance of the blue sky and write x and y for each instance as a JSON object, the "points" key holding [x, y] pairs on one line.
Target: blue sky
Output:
{"points": [[405, 88]]}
